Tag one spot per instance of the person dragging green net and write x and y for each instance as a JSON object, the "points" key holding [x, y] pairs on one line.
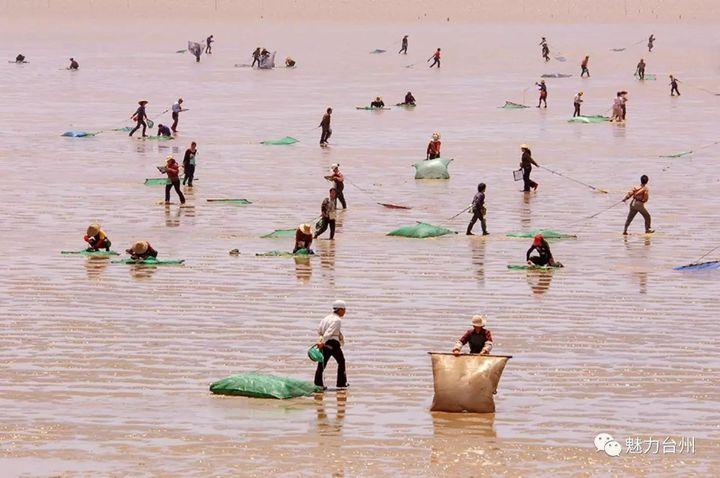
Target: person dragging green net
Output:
{"points": [[330, 343], [478, 210], [640, 195]]}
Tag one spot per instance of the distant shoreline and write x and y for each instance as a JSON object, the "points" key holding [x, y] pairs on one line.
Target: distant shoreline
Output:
{"points": [[354, 11]]}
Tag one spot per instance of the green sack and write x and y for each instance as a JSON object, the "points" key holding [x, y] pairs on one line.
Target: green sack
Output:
{"points": [[231, 201], [280, 233], [589, 119], [432, 169], [281, 141], [315, 354], [546, 233], [86, 252], [151, 262], [509, 105], [155, 181], [263, 386], [421, 230], [525, 267]]}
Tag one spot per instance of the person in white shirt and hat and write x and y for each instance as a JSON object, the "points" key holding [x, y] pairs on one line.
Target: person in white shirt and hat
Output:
{"points": [[478, 337], [330, 343], [339, 181], [176, 110]]}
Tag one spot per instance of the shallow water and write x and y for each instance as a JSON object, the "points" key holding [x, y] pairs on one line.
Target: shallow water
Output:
{"points": [[106, 367]]}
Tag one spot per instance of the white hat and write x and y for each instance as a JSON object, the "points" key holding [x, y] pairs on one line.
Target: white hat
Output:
{"points": [[339, 304], [436, 135], [479, 320], [334, 166]]}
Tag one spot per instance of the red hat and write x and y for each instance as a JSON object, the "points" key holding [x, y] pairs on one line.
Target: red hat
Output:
{"points": [[538, 240]]}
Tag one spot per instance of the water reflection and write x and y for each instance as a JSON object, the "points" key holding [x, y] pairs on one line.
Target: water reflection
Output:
{"points": [[326, 425], [94, 266], [539, 281], [477, 245], [303, 269]]}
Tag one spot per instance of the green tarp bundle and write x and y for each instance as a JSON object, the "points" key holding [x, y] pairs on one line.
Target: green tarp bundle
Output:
{"points": [[231, 201], [77, 134], [155, 181], [86, 252], [432, 169], [525, 267], [258, 385], [546, 233], [280, 233], [648, 76], [589, 119], [281, 141], [676, 155], [299, 253], [509, 105], [151, 262], [157, 138], [555, 75], [421, 230], [125, 129]]}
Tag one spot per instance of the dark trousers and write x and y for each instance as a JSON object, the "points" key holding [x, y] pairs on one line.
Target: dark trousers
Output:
{"points": [[543, 99], [255, 60], [637, 207], [477, 215], [176, 118], [436, 62], [403, 49], [527, 182], [189, 174], [332, 349], [323, 226], [674, 90], [137, 127], [641, 73], [339, 188], [540, 260], [432, 156], [584, 71], [577, 109], [176, 185], [325, 135]]}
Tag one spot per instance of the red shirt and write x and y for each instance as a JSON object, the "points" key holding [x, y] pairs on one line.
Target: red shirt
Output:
{"points": [[173, 170], [434, 147]]}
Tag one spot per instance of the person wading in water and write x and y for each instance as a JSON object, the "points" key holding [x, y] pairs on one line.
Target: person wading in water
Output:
{"points": [[526, 164], [330, 343], [640, 195], [403, 48], [478, 338], [140, 116], [325, 125], [478, 210], [433, 148]]}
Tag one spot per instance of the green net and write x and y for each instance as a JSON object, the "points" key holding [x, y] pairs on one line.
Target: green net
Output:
{"points": [[280, 233], [157, 138], [546, 233], [299, 253], [555, 75], [125, 129], [263, 386], [432, 169], [421, 230], [151, 262], [231, 201], [525, 267], [368, 108], [589, 119], [155, 181], [676, 155], [509, 105], [648, 76], [77, 134], [86, 252], [281, 141]]}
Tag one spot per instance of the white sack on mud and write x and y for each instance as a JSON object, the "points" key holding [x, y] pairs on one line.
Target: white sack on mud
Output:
{"points": [[466, 383]]}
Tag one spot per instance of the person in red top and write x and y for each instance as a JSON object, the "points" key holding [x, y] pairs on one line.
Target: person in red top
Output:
{"points": [[433, 149], [172, 169], [479, 338], [435, 58]]}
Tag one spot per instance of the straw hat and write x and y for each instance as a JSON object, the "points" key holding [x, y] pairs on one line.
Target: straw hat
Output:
{"points": [[140, 247], [169, 158], [142, 102], [436, 135], [479, 320], [93, 229], [524, 146], [305, 228]]}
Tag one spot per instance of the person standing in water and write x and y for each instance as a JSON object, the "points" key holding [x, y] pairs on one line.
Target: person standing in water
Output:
{"points": [[640, 69], [651, 42], [674, 86], [256, 57], [172, 169], [330, 343], [546, 52], [189, 164], [176, 110], [338, 181], [617, 108], [584, 66], [328, 213], [543, 93], [403, 48], [140, 116], [325, 125], [436, 58], [623, 103], [74, 65], [433, 148], [526, 164], [478, 338], [577, 102], [640, 195], [478, 210], [208, 45]]}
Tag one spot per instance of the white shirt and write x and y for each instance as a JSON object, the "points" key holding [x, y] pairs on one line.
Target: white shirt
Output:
{"points": [[176, 108], [329, 329], [578, 99]]}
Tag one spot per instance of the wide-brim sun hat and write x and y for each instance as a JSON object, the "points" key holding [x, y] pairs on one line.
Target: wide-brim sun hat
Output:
{"points": [[436, 135], [170, 158], [339, 304], [93, 229], [140, 247], [479, 320], [305, 228], [143, 102], [334, 166], [524, 146]]}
